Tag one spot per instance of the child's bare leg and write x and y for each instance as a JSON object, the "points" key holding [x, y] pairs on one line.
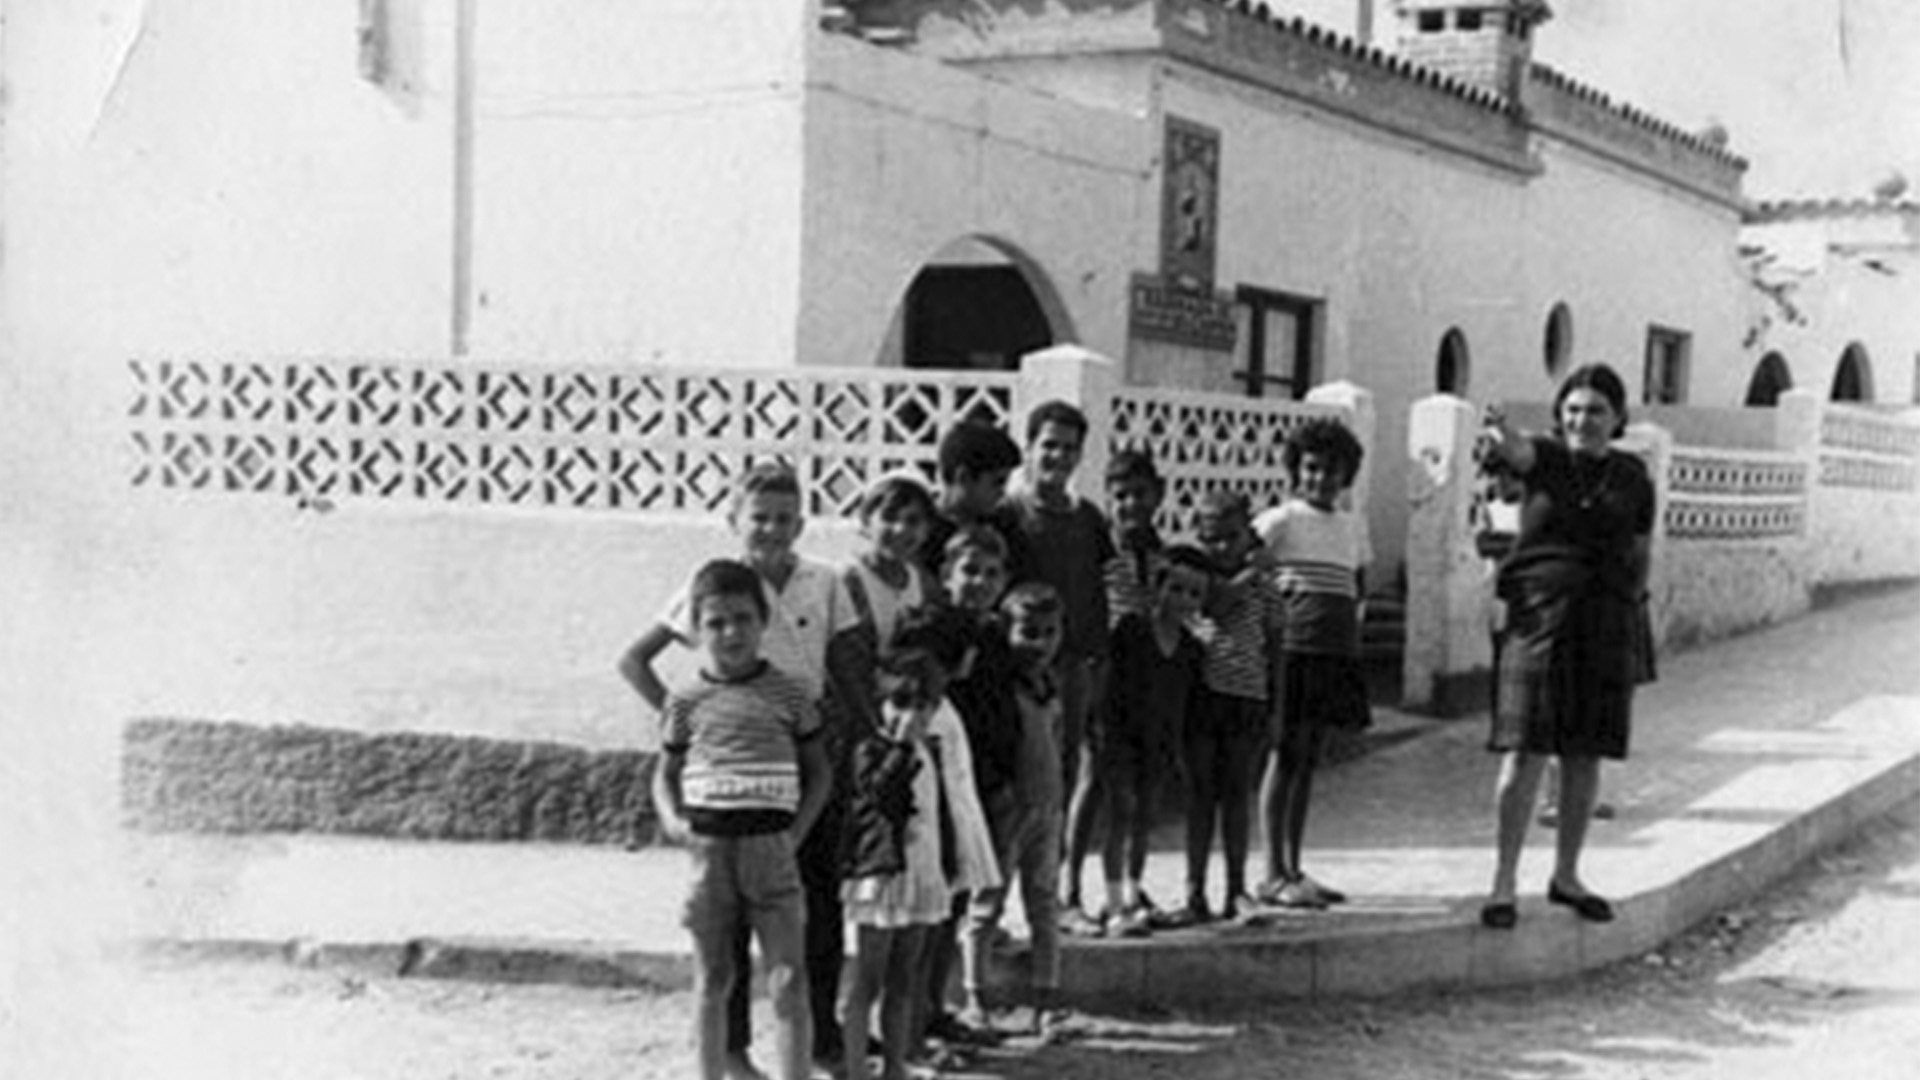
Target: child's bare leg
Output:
{"points": [[1301, 764], [1273, 819], [1140, 831], [782, 931], [713, 976], [896, 1003], [872, 953], [1083, 813], [1113, 848]]}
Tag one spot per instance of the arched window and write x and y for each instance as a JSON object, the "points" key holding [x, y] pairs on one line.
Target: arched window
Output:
{"points": [[1770, 379], [1453, 367], [1559, 340], [1853, 379]]}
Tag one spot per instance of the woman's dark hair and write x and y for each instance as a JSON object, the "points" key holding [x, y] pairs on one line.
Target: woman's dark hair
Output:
{"points": [[1600, 379], [1329, 438]]}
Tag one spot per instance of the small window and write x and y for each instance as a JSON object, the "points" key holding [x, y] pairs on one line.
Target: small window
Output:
{"points": [[1771, 379], [1432, 22], [1666, 373], [1276, 334], [1559, 340], [1853, 379], [1468, 19], [1452, 367]]}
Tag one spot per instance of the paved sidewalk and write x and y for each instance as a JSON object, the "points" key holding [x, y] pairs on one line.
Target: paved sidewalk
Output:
{"points": [[1748, 755]]}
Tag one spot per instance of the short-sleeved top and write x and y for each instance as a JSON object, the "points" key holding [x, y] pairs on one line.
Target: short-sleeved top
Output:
{"points": [[884, 604], [1317, 555], [802, 617], [741, 738], [1129, 575], [1067, 547], [1579, 516], [1239, 633], [985, 702], [1150, 689]]}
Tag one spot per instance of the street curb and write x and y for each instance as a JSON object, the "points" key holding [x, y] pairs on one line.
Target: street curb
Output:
{"points": [[1441, 950]]}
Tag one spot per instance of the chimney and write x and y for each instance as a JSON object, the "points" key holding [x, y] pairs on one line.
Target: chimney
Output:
{"points": [[1484, 43]]}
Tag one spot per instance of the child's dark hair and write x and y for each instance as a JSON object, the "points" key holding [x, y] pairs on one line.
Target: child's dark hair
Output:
{"points": [[1056, 412], [974, 537], [764, 478], [976, 447], [1328, 438], [893, 493], [944, 632], [1182, 555], [1226, 501], [914, 673], [1031, 599], [726, 577], [1131, 464]]}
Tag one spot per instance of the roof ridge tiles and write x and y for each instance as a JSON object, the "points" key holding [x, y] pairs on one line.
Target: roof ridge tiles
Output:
{"points": [[1381, 59], [1631, 113]]}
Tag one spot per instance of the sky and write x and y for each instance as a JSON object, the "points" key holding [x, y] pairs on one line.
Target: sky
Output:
{"points": [[1817, 112]]}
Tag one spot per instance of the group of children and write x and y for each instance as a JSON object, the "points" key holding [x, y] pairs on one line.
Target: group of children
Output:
{"points": [[898, 743]]}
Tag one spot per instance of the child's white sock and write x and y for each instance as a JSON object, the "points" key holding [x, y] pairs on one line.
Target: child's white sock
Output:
{"points": [[1129, 895], [1116, 897]]}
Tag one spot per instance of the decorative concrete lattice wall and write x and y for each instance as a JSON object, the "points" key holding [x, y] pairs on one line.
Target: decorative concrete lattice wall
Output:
{"points": [[1717, 494], [1863, 449], [1208, 442], [587, 438]]}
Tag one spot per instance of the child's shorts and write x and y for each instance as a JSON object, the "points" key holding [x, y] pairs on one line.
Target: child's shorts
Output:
{"points": [[743, 879]]}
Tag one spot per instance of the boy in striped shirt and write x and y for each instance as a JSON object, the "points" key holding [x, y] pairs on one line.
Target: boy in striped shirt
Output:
{"points": [[742, 778], [1317, 556]]}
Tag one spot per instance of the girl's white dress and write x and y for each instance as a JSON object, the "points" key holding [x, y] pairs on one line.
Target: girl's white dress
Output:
{"points": [[921, 894]]}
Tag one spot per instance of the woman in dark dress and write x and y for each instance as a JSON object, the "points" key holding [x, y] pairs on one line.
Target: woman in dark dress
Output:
{"points": [[1573, 584]]}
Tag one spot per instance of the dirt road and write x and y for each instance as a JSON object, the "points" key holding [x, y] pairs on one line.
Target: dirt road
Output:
{"points": [[1820, 977]]}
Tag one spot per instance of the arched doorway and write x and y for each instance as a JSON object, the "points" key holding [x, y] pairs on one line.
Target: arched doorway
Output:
{"points": [[1453, 367], [978, 304], [1853, 379], [1770, 379]]}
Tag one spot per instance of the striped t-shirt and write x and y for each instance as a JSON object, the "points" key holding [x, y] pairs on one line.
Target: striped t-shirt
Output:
{"points": [[742, 741], [1317, 554], [1239, 629]]}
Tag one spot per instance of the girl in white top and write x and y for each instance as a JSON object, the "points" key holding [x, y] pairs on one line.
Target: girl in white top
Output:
{"points": [[886, 579], [1317, 554]]}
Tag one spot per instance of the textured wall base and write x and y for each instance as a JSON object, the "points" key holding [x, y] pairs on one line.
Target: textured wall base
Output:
{"points": [[202, 776]]}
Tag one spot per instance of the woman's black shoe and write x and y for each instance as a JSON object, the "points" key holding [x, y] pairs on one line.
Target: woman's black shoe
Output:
{"points": [[1499, 915], [1589, 907]]}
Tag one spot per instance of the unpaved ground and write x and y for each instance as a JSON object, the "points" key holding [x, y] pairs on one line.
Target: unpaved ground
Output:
{"points": [[1819, 978]]}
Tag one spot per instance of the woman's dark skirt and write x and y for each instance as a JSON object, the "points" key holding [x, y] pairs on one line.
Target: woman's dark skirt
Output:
{"points": [[1565, 677]]}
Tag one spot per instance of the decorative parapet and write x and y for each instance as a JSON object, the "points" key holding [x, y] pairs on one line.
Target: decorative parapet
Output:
{"points": [[1566, 109], [1374, 86], [1720, 494], [574, 438], [1862, 430], [1691, 519], [1238, 40], [1209, 442], [1697, 471], [1863, 449]]}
